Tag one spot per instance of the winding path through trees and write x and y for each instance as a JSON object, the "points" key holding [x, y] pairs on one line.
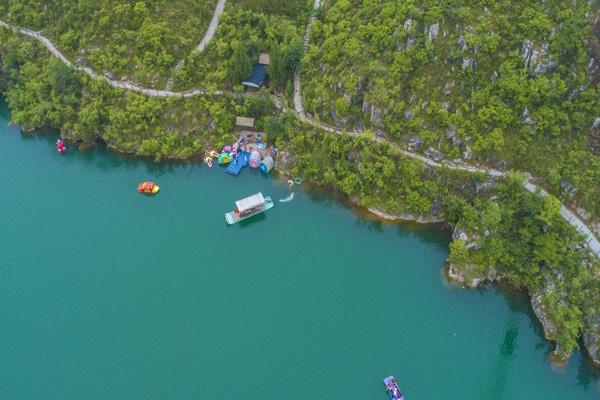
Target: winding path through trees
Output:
{"points": [[214, 23], [117, 84], [210, 32], [591, 240]]}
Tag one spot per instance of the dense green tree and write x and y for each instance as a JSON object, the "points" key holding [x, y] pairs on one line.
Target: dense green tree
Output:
{"points": [[240, 64]]}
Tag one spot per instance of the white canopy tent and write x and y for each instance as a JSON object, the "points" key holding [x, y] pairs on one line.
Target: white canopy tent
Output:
{"points": [[250, 202]]}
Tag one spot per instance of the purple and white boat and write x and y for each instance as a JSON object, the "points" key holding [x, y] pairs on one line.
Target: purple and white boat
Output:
{"points": [[391, 386]]}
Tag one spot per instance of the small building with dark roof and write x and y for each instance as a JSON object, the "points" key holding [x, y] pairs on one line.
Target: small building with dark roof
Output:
{"points": [[259, 72]]}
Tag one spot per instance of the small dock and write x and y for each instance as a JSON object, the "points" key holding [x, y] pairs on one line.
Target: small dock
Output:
{"points": [[239, 162], [250, 149]]}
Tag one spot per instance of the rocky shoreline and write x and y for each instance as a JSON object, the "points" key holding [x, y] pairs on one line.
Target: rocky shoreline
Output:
{"points": [[473, 276], [406, 217]]}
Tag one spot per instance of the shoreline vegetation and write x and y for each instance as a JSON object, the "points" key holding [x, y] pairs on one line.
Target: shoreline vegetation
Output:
{"points": [[500, 231]]}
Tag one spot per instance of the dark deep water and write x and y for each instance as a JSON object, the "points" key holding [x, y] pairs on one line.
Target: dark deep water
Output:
{"points": [[107, 294]]}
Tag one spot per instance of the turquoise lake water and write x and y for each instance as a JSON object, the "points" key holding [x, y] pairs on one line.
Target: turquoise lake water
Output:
{"points": [[108, 294]]}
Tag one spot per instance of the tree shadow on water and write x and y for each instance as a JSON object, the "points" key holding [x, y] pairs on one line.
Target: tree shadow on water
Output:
{"points": [[518, 302], [500, 372], [434, 235], [327, 199], [370, 224], [586, 373]]}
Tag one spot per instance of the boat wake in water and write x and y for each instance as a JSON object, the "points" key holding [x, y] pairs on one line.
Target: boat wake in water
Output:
{"points": [[287, 199]]}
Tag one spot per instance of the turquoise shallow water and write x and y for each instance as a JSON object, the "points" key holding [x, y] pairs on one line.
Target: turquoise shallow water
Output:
{"points": [[107, 294]]}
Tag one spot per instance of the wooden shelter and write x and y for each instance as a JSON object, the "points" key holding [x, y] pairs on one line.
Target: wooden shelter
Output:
{"points": [[244, 123]]}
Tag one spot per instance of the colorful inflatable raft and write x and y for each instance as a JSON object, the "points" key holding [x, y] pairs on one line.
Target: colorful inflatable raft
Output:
{"points": [[148, 188]]}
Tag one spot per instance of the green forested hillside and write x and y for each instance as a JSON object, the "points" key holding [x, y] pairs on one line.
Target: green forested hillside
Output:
{"points": [[243, 34], [509, 83], [138, 40], [44, 93], [144, 41], [294, 9]]}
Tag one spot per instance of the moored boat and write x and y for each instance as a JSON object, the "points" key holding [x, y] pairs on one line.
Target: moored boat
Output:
{"points": [[225, 158], [148, 188], [248, 207], [208, 156], [391, 386], [60, 146]]}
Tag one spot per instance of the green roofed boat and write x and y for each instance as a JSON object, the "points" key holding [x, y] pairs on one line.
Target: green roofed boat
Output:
{"points": [[248, 207]]}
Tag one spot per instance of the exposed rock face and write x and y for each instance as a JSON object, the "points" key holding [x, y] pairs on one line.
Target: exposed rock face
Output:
{"points": [[434, 154], [375, 113], [470, 275], [537, 60], [567, 188], [547, 322], [340, 121], [433, 32], [414, 142], [448, 87], [592, 67], [542, 314], [284, 162], [595, 137], [528, 54], [108, 74], [468, 63], [486, 186], [467, 154], [462, 43], [452, 136], [576, 92], [583, 213], [595, 227], [544, 67], [407, 25], [545, 64], [379, 133], [591, 337], [527, 120], [421, 219], [360, 126]]}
